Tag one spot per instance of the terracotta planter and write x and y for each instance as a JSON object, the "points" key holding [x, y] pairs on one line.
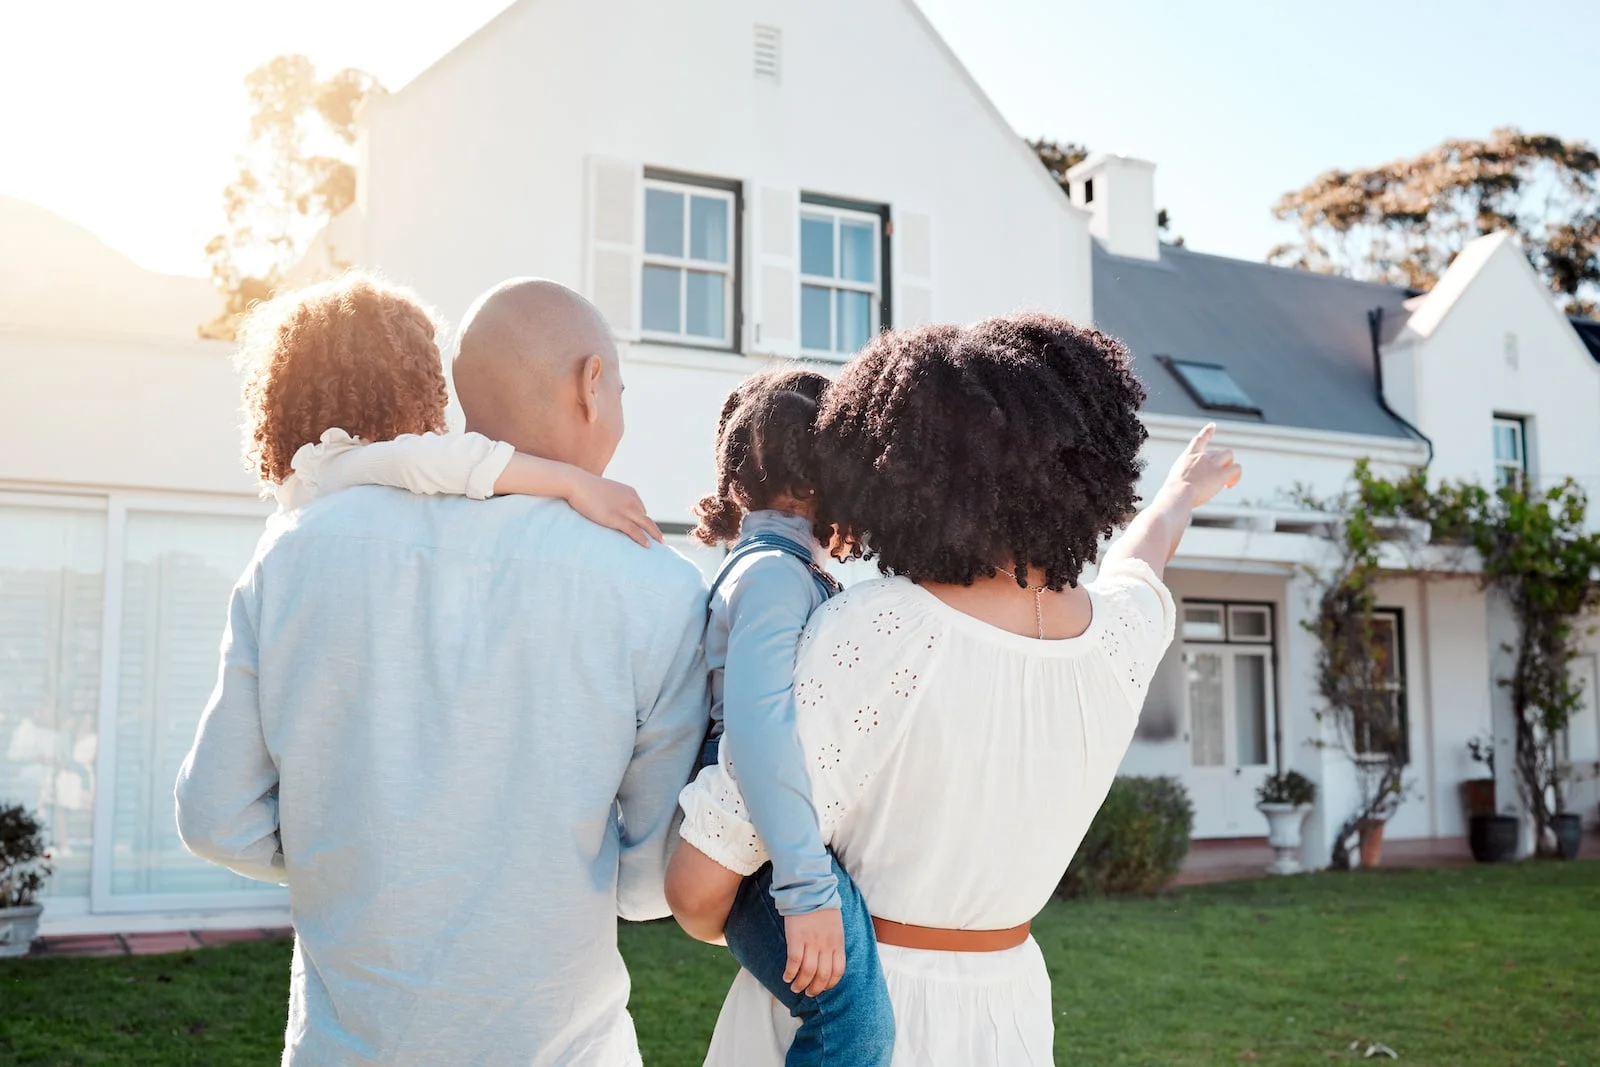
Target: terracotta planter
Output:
{"points": [[1569, 835], [18, 928], [1493, 838], [1371, 843], [1479, 796], [1283, 834]]}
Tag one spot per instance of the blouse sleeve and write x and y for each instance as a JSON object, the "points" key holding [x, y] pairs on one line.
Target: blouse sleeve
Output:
{"points": [[465, 464], [1140, 624], [861, 671]]}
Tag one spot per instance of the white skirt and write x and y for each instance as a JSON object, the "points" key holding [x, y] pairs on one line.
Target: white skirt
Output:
{"points": [[951, 1009]]}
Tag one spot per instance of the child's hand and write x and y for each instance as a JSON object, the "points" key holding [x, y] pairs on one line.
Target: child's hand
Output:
{"points": [[816, 950], [613, 505]]}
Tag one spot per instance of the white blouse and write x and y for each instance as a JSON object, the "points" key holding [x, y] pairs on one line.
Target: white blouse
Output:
{"points": [[955, 766], [459, 464]]}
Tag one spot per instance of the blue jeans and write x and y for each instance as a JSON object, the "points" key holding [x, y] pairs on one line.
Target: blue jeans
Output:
{"points": [[850, 1025]]}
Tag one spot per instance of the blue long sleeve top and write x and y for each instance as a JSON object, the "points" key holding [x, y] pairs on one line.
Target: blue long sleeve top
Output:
{"points": [[756, 619]]}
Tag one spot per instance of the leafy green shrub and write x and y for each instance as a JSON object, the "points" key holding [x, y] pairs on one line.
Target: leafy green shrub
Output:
{"points": [[23, 859], [1137, 842]]}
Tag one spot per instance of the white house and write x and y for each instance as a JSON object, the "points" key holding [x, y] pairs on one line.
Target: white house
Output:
{"points": [[736, 182], [1305, 373]]}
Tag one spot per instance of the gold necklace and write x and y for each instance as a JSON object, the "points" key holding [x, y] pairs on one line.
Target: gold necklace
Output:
{"points": [[1038, 597]]}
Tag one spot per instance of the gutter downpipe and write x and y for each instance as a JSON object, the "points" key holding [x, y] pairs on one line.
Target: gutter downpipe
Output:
{"points": [[1375, 325]]}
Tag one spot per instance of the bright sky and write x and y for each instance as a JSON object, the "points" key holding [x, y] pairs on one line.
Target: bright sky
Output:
{"points": [[126, 117]]}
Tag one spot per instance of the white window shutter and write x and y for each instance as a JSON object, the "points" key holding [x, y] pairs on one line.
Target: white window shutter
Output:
{"points": [[774, 267], [615, 242], [913, 269]]}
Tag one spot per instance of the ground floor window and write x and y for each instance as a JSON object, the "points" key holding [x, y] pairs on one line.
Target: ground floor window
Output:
{"points": [[1389, 658], [111, 617]]}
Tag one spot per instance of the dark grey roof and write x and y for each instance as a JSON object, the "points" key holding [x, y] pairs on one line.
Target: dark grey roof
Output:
{"points": [[1589, 333], [1298, 343]]}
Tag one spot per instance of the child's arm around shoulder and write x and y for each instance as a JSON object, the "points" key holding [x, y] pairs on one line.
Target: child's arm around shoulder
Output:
{"points": [[470, 465]]}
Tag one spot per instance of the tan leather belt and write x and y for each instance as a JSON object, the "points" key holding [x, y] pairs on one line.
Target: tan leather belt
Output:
{"points": [[930, 939]]}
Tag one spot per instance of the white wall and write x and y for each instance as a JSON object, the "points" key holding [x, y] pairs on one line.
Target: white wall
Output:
{"points": [[1462, 378], [124, 412], [476, 171]]}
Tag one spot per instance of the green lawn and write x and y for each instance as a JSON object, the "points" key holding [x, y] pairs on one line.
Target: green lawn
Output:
{"points": [[1473, 966]]}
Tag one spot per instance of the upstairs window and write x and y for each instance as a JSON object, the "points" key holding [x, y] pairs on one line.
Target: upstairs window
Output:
{"points": [[688, 292], [842, 268], [1211, 386], [1510, 450]]}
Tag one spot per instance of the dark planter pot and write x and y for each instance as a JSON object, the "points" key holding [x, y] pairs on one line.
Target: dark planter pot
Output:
{"points": [[1479, 796], [1493, 838], [1569, 835]]}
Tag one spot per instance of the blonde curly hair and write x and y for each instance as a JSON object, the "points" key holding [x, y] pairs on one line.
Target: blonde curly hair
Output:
{"points": [[355, 353]]}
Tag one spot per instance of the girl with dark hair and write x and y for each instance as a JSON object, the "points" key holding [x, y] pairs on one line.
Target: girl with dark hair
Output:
{"points": [[962, 719], [797, 924]]}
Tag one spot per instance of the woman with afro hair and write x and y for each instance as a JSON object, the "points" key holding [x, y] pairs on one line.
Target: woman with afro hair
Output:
{"points": [[963, 717]]}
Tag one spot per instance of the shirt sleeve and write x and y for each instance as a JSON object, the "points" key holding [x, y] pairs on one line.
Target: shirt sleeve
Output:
{"points": [[227, 789], [1142, 619], [670, 726], [860, 675], [768, 605], [464, 464]]}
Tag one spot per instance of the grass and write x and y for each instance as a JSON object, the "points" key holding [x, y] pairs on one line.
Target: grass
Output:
{"points": [[1474, 966]]}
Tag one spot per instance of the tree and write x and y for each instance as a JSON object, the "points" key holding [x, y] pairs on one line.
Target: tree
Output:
{"points": [[1360, 713], [1059, 157], [1404, 221], [297, 172], [1534, 547]]}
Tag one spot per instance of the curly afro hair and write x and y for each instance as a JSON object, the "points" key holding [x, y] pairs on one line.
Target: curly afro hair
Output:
{"points": [[949, 452], [766, 450], [355, 354]]}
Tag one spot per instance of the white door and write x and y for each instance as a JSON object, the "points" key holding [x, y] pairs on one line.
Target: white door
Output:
{"points": [[1229, 698]]}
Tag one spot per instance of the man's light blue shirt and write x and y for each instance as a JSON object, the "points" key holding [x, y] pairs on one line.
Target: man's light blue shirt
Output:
{"points": [[456, 730]]}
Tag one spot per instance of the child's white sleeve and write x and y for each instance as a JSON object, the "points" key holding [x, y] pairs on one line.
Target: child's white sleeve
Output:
{"points": [[464, 464]]}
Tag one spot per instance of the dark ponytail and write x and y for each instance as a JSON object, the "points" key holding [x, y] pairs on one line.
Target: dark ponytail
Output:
{"points": [[766, 450]]}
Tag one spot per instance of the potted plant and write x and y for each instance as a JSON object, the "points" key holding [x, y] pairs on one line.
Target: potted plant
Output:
{"points": [[1285, 798], [23, 868], [1492, 836]]}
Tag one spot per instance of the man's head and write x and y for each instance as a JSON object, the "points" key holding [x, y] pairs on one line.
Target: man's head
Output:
{"points": [[536, 366]]}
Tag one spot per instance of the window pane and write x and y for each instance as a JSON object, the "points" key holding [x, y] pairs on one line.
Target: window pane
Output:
{"points": [[1508, 443], [1214, 386], [179, 572], [706, 307], [1250, 708], [52, 587], [856, 261], [816, 318], [854, 321], [1203, 623], [708, 229], [663, 222], [663, 299], [1206, 739], [1385, 649], [1248, 624], [816, 246]]}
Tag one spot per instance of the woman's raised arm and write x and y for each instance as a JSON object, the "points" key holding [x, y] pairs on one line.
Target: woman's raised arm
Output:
{"points": [[1198, 475]]}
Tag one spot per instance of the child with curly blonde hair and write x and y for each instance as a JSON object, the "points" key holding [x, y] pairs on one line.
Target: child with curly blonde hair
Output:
{"points": [[344, 386]]}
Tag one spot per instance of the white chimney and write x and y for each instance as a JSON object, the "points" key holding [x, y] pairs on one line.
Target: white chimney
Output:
{"points": [[1120, 193]]}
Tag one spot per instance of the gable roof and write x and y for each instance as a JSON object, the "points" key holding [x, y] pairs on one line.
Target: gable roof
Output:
{"points": [[1588, 331], [1298, 343], [1429, 311]]}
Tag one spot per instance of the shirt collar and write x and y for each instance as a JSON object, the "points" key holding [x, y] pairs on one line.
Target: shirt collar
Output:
{"points": [[795, 527]]}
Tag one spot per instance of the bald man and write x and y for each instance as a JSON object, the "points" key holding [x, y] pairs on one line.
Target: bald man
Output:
{"points": [[457, 730]]}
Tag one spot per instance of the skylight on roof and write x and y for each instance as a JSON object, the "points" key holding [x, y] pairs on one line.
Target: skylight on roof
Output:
{"points": [[1211, 386]]}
